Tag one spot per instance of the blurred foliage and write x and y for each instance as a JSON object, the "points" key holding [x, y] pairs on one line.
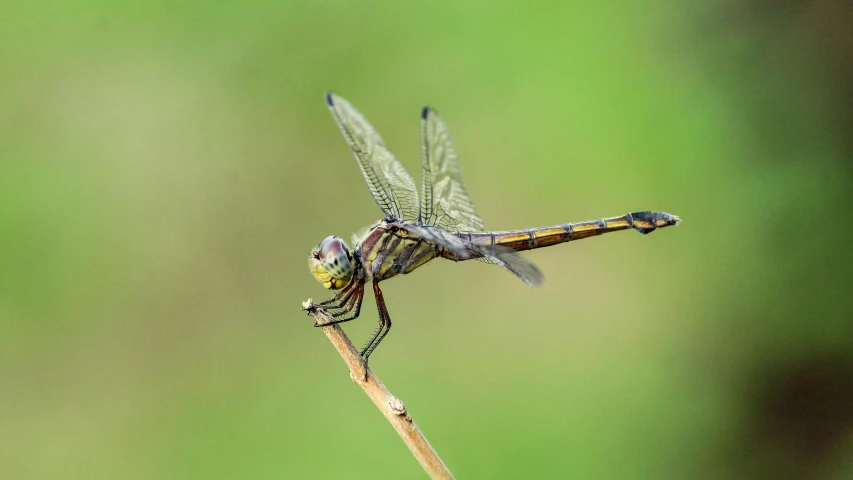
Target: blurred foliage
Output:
{"points": [[167, 168]]}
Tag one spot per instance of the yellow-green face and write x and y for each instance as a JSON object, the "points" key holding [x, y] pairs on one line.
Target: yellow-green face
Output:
{"points": [[331, 263]]}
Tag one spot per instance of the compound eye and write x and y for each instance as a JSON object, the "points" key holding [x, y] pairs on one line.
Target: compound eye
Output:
{"points": [[335, 258]]}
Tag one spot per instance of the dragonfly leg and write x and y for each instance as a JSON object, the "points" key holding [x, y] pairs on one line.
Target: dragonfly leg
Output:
{"points": [[348, 310], [340, 299], [384, 324]]}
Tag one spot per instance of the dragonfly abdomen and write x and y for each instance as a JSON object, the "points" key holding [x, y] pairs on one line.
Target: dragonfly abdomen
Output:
{"points": [[643, 222]]}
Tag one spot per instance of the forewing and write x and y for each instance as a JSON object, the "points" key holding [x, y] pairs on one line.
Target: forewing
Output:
{"points": [[390, 184], [444, 201], [497, 254]]}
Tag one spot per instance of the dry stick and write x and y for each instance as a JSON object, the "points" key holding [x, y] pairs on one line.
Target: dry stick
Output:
{"points": [[390, 406]]}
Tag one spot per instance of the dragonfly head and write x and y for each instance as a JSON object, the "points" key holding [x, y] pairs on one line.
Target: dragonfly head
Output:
{"points": [[331, 263]]}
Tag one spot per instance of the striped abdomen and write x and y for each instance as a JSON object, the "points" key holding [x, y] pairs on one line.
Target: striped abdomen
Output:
{"points": [[643, 222]]}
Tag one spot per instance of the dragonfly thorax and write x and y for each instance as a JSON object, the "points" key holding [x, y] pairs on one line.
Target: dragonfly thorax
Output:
{"points": [[331, 263]]}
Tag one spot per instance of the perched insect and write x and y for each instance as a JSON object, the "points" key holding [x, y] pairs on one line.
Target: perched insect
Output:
{"points": [[443, 223]]}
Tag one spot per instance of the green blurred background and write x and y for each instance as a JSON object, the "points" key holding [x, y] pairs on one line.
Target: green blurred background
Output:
{"points": [[167, 168]]}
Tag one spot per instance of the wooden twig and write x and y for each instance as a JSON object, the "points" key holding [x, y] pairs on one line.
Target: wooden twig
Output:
{"points": [[390, 406]]}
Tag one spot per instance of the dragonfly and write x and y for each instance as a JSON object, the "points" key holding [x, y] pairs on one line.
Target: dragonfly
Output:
{"points": [[440, 223]]}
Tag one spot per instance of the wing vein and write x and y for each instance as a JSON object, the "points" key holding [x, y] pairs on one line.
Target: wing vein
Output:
{"points": [[389, 183]]}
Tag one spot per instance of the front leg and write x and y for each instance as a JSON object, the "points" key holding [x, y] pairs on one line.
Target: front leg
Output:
{"points": [[344, 306], [339, 299]]}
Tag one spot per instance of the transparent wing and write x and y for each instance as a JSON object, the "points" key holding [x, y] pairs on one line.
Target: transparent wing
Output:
{"points": [[442, 237], [444, 201], [390, 184], [497, 254], [512, 261]]}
